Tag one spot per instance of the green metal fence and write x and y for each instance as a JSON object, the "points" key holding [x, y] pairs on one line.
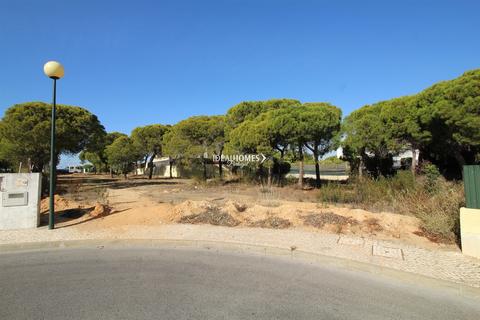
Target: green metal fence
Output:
{"points": [[471, 181]]}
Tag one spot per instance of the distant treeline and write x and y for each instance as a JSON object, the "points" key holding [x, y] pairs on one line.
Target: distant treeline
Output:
{"points": [[442, 123]]}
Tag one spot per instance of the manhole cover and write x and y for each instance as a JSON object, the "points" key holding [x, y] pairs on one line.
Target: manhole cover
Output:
{"points": [[381, 251]]}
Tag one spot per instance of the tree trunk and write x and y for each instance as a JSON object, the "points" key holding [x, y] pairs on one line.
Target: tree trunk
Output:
{"points": [[204, 169], [279, 173], [317, 167], [301, 169], [269, 179], [460, 159], [111, 172], [150, 166], [360, 168], [124, 171], [170, 161]]}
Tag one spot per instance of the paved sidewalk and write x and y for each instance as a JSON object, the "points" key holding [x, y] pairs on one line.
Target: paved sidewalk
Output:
{"points": [[439, 264]]}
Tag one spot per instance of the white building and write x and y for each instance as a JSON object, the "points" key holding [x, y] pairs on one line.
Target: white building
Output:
{"points": [[407, 154], [339, 152], [161, 168], [75, 169], [397, 159]]}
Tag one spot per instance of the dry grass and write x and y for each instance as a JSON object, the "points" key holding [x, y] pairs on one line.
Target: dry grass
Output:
{"points": [[268, 197], [212, 216], [438, 210], [319, 220], [434, 201], [272, 223]]}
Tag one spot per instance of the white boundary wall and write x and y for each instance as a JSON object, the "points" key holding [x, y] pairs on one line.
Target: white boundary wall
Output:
{"points": [[20, 200]]}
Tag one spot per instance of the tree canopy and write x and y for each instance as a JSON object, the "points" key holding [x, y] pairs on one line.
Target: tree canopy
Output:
{"points": [[122, 154], [25, 132], [442, 123], [293, 127], [195, 138], [453, 119], [249, 110], [149, 140], [97, 155], [321, 123]]}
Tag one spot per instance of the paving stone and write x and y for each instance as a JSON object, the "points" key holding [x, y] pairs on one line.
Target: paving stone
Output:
{"points": [[388, 252], [351, 241]]}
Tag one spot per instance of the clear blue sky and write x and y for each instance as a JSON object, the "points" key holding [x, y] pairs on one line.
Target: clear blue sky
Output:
{"points": [[139, 62]]}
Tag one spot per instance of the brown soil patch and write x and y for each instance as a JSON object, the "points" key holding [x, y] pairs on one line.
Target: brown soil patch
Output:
{"points": [[435, 238], [373, 225], [100, 210], [60, 203]]}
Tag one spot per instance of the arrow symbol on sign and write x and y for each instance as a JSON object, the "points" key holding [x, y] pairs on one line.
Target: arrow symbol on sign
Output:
{"points": [[264, 158]]}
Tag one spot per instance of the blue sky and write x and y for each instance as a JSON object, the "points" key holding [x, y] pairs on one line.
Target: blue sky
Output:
{"points": [[139, 62]]}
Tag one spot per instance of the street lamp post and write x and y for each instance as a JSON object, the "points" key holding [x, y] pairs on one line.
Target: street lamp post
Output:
{"points": [[53, 70]]}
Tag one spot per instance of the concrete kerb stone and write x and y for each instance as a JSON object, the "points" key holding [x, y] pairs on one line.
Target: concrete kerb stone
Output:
{"points": [[292, 254]]}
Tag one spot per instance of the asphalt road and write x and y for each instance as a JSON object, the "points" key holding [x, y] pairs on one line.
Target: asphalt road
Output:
{"points": [[166, 283]]}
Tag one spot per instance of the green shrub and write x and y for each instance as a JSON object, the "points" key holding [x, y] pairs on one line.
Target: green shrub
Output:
{"points": [[431, 174], [402, 181], [432, 199]]}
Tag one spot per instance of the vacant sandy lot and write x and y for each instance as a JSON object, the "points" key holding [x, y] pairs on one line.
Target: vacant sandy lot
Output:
{"points": [[99, 202]]}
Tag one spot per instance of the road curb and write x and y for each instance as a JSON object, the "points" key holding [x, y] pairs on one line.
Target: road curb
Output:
{"points": [[292, 254]]}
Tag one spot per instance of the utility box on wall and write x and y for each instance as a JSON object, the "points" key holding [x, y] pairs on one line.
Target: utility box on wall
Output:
{"points": [[20, 200]]}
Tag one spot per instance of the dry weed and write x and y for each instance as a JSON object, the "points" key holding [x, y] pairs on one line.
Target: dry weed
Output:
{"points": [[213, 216], [319, 220], [272, 222]]}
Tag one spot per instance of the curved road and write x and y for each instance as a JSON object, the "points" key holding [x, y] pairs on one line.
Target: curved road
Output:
{"points": [[166, 283]]}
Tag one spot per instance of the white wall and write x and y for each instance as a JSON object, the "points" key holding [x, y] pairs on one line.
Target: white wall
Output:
{"points": [[21, 216]]}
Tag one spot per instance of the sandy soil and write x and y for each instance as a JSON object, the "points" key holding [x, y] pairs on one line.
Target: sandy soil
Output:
{"points": [[92, 203]]}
